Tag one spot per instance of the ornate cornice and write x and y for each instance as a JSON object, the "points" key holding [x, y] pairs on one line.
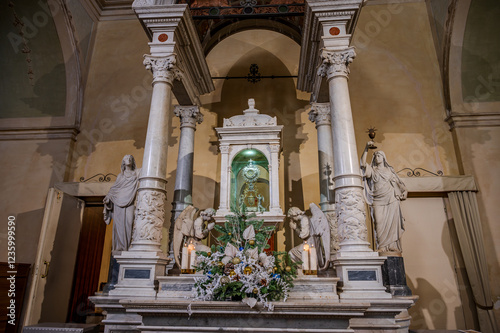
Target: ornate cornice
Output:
{"points": [[320, 114], [336, 63], [189, 115], [164, 68]]}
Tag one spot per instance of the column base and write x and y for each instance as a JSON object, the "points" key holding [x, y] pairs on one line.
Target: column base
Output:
{"points": [[394, 277], [138, 271], [359, 269]]}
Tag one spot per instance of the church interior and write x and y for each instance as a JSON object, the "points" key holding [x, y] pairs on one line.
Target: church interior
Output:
{"points": [[86, 82]]}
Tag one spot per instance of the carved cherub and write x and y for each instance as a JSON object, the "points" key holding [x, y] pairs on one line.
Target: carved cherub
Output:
{"points": [[191, 227], [315, 230]]}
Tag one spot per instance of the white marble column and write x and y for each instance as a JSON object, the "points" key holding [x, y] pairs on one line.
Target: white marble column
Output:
{"points": [[357, 265], [150, 207], [145, 261], [320, 114], [347, 178], [224, 183], [274, 170]]}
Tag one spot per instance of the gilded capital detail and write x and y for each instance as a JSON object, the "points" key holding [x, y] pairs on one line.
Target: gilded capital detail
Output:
{"points": [[351, 216], [336, 63], [189, 115], [320, 114], [149, 216], [164, 68]]}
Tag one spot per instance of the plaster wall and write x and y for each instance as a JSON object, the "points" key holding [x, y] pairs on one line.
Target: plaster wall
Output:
{"points": [[395, 85], [30, 168], [430, 266]]}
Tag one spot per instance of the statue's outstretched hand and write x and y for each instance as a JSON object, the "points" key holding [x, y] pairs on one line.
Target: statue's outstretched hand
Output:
{"points": [[293, 225], [210, 226]]}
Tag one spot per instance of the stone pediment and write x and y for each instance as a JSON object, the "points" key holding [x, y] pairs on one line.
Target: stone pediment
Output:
{"points": [[250, 118]]}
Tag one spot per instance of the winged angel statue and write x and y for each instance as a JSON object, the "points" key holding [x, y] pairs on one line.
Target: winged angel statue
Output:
{"points": [[314, 230], [194, 227]]}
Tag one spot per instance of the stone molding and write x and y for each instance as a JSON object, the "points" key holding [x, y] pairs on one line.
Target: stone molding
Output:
{"points": [[351, 216], [336, 63], [164, 68], [189, 115], [483, 119], [320, 114]]}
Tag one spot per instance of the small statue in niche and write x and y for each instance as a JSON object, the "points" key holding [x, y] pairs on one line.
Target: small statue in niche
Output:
{"points": [[384, 193], [119, 203], [260, 201], [314, 230], [191, 228]]}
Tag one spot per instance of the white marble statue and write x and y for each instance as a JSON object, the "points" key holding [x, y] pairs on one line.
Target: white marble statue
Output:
{"points": [[192, 228], [384, 192], [119, 204], [314, 230]]}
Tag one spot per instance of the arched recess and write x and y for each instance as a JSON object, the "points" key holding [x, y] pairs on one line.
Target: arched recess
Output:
{"points": [[65, 125], [228, 27], [469, 74]]}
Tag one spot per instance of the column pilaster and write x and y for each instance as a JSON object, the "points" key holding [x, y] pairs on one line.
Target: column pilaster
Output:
{"points": [[224, 208], [357, 265], [145, 260], [183, 191], [320, 114]]}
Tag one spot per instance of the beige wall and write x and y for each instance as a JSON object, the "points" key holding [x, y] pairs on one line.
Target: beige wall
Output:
{"points": [[29, 167]]}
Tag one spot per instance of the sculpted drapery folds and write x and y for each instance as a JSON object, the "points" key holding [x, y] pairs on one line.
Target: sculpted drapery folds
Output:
{"points": [[119, 203], [384, 192]]}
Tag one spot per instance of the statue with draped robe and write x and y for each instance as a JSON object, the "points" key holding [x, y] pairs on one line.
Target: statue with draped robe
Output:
{"points": [[119, 204], [384, 191]]}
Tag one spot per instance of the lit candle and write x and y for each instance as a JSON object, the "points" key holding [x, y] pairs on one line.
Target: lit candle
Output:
{"points": [[313, 263], [185, 258], [305, 257], [192, 256]]}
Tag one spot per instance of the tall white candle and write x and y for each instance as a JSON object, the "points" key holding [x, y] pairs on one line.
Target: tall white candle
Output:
{"points": [[192, 256], [313, 257], [305, 257], [185, 258]]}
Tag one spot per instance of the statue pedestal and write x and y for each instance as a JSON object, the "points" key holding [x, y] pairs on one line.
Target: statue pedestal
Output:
{"points": [[394, 277], [360, 271], [137, 273]]}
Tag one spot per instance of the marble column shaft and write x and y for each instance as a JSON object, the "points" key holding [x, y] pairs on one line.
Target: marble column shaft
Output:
{"points": [[150, 207], [349, 200], [189, 116], [274, 169], [224, 165], [320, 114]]}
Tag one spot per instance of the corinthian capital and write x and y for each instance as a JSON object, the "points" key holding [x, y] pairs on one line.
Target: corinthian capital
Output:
{"points": [[320, 114], [189, 115], [164, 68], [336, 63]]}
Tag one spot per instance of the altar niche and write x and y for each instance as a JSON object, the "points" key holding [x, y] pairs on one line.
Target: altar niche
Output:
{"points": [[250, 181], [250, 146]]}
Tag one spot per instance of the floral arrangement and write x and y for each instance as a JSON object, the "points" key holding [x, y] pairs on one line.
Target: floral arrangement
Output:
{"points": [[239, 268]]}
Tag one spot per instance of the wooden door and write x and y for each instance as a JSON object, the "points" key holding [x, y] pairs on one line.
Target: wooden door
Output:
{"points": [[54, 266], [88, 263]]}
